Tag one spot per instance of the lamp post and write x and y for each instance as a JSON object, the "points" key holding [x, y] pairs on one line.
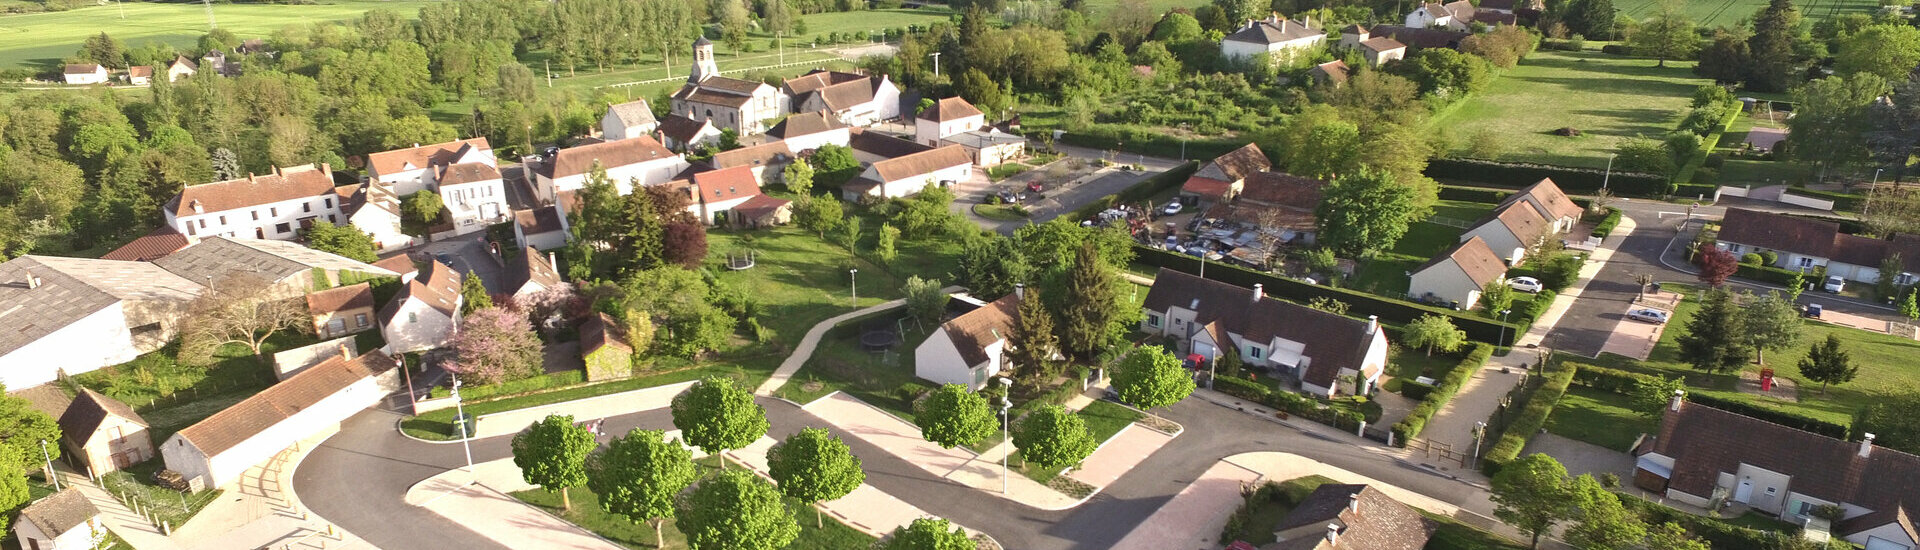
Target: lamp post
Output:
{"points": [[49, 461], [1006, 428], [1503, 325], [1183, 142], [1609, 174], [1211, 363], [460, 418], [1479, 430], [1876, 179], [936, 63], [853, 283]]}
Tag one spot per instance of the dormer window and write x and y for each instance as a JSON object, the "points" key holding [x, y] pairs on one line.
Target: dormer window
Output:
{"points": [[197, 209]]}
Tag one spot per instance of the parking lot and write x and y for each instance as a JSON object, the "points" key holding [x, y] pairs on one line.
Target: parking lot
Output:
{"points": [[1635, 338]]}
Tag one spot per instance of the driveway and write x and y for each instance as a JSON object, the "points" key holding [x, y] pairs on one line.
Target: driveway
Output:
{"points": [[470, 254], [1059, 200]]}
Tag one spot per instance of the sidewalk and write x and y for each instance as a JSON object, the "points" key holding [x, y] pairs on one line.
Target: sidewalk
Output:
{"points": [[804, 350], [960, 465], [261, 510]]}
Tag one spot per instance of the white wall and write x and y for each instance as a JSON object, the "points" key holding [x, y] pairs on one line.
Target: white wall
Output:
{"points": [[1763, 480], [929, 133], [78, 538], [241, 223], [652, 172], [612, 128], [707, 135], [550, 240], [1444, 280], [98, 77], [98, 340], [476, 204], [938, 361], [767, 103], [814, 141], [1808, 202], [1281, 52], [323, 416], [384, 226], [1501, 240], [417, 326], [914, 184]]}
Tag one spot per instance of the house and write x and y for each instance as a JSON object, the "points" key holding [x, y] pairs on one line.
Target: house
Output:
{"points": [[100, 434], [1804, 244], [1459, 15], [810, 130], [628, 162], [140, 75], [852, 98], [272, 206], [1420, 37], [1511, 230], [1376, 49], [1554, 206], [902, 176], [762, 211], [1328, 353], [1339, 516], [765, 161], [1457, 276], [1225, 176], [398, 263], [743, 106], [472, 196], [426, 311], [1332, 73], [1281, 39], [539, 228], [76, 315], [418, 168], [605, 348], [1511, 6], [528, 273], [341, 311], [160, 242], [1705, 456], [969, 349], [714, 194], [684, 134], [85, 73], [373, 208], [67, 520], [216, 61], [214, 452], [944, 118], [293, 269], [871, 147], [989, 146], [627, 120], [181, 67]]}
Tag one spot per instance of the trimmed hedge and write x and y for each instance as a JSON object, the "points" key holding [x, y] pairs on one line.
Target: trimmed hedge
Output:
{"points": [[1624, 382], [1244, 389], [1293, 404], [1718, 533], [1469, 194], [1845, 202], [1149, 187], [1389, 310], [1770, 274], [1532, 417], [1518, 175], [1411, 389], [1438, 396], [524, 385], [1607, 224], [1701, 190], [1712, 140], [1609, 380]]}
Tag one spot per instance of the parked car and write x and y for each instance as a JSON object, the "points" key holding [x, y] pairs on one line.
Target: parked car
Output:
{"points": [[1835, 284], [1172, 208], [1649, 315], [444, 258], [1033, 187], [1009, 197], [1525, 284]]}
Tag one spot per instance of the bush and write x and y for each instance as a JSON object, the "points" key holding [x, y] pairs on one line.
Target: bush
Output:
{"points": [[1434, 398], [1518, 175], [1244, 389], [1752, 259], [1715, 161], [1609, 380], [1617, 49], [524, 385], [1607, 224], [1559, 271], [1533, 416], [1768, 274], [1415, 390], [1694, 189], [1468, 194], [1717, 532], [1769, 257]]}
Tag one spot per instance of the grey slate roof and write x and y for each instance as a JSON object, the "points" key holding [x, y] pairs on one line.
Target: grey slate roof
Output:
{"points": [[633, 113], [274, 260], [71, 289], [60, 513], [1269, 32]]}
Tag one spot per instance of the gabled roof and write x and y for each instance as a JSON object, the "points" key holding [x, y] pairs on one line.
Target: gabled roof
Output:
{"points": [[1334, 71], [424, 156], [921, 163], [879, 144], [1520, 219], [973, 331], [62, 512], [1421, 38], [1547, 199], [952, 108], [1896, 515], [759, 155], [82, 68], [346, 298], [720, 90], [1332, 341], [1283, 189], [820, 78], [633, 113], [1381, 44], [1267, 32], [1461, 9], [1237, 164], [70, 289], [1374, 522], [530, 266], [1778, 232], [88, 410], [1353, 29], [140, 71], [437, 286], [398, 264], [1475, 258], [683, 129], [467, 172], [1858, 250], [725, 184], [599, 331], [161, 241], [1206, 187], [761, 205], [182, 61], [285, 184], [574, 161], [804, 124], [845, 95], [537, 220], [275, 260], [254, 415]]}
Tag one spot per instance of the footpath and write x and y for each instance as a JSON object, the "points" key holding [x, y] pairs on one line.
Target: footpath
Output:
{"points": [[804, 350]]}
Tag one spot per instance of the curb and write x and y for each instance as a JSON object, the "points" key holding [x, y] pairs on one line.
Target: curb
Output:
{"points": [[1758, 284], [403, 433]]}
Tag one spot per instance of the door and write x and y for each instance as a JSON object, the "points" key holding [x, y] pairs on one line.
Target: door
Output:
{"points": [[1744, 493], [125, 459]]}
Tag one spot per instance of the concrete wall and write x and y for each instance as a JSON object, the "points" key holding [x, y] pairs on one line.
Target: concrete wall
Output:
{"points": [[512, 422], [1809, 202], [292, 361], [323, 417], [1501, 240], [98, 340], [612, 128]]}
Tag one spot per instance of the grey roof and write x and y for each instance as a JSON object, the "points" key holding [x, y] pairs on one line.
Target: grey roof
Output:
{"points": [[274, 260], [61, 512], [633, 113], [71, 289], [984, 138], [1270, 32]]}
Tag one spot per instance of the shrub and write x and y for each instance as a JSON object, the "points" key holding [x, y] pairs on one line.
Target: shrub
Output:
{"points": [[1559, 271], [1607, 224], [1467, 194], [1770, 274], [1715, 161], [524, 385], [1415, 390], [1244, 389], [1433, 398], [1572, 180], [1791, 420], [1752, 259], [1617, 49], [1769, 257], [1532, 417]]}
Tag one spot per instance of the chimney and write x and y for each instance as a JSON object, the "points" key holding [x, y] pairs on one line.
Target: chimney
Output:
{"points": [[345, 352], [33, 281], [1307, 21], [1373, 324], [1020, 291], [1678, 396], [1353, 502], [553, 261], [1274, 17], [1333, 534], [1259, 291], [1866, 445]]}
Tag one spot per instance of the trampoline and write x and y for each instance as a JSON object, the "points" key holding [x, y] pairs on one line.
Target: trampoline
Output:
{"points": [[741, 262], [879, 337]]}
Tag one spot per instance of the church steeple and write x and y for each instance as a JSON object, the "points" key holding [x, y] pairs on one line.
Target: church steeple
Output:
{"points": [[703, 66]]}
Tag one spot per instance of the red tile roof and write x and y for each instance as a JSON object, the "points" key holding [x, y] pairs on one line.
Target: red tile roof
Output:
{"points": [[1207, 187], [340, 299], [1283, 189], [424, 156], [159, 243], [1474, 257], [574, 161], [952, 108], [726, 184], [284, 184], [973, 331], [1778, 232], [277, 403]]}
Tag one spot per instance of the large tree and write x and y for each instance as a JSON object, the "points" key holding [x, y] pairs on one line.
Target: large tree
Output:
{"points": [[1152, 377], [798, 176], [552, 454], [1652, 395], [1716, 264], [22, 428], [818, 214], [638, 476], [735, 510], [1668, 34], [1890, 420], [684, 244], [1769, 322], [345, 240], [1089, 305], [495, 345], [1434, 332], [1828, 116], [1891, 51], [1364, 212], [1053, 437], [1714, 340], [1033, 343], [992, 265], [951, 416], [926, 301], [715, 416], [927, 534], [1828, 364], [1601, 521], [813, 466], [1532, 494], [1774, 47], [238, 307], [1727, 57], [473, 294]]}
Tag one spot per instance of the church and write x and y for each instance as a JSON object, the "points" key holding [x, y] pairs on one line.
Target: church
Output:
{"points": [[745, 106]]}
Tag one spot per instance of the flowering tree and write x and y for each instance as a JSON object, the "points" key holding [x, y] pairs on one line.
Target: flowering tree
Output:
{"points": [[495, 345], [1716, 264]]}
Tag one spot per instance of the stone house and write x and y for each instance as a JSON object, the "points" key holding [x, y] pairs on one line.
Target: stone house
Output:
{"points": [[1282, 39], [65, 521], [743, 106], [341, 311], [100, 434]]}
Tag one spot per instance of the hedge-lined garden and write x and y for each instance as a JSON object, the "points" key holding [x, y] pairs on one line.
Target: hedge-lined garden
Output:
{"points": [[1543, 392], [1625, 383], [1516, 175], [1434, 398], [1317, 410]]}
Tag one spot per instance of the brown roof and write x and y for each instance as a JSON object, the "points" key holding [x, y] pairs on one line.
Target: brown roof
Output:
{"points": [[880, 144], [82, 68], [1333, 341], [1421, 38], [1896, 515], [62, 512], [423, 156], [1334, 71], [846, 95], [1381, 44], [1237, 164], [398, 264], [973, 331], [1267, 217], [156, 244], [735, 85], [759, 155], [1908, 246], [467, 172], [344, 298], [574, 161], [803, 124], [283, 185], [600, 331], [726, 184], [88, 410], [139, 71], [1353, 29], [1283, 189], [1495, 18], [819, 78], [1377, 522], [259, 413], [1475, 258], [1548, 199], [1269, 32], [1206, 187], [1778, 232], [1858, 250], [761, 205], [1522, 220], [682, 129], [952, 108], [179, 60], [438, 286], [539, 219], [922, 163], [719, 90], [531, 266]]}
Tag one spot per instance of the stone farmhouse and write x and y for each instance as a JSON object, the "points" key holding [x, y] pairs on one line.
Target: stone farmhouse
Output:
{"points": [[271, 206], [1280, 38]]}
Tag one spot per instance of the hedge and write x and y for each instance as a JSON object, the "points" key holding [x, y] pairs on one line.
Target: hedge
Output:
{"points": [[1411, 389], [1533, 416], [1469, 194], [1846, 202], [1718, 533], [1623, 382], [1149, 187], [1296, 405], [1711, 141], [1698, 190], [1609, 380], [524, 385], [1606, 224], [1389, 310], [1138, 141], [1770, 274], [1438, 396], [1518, 175]]}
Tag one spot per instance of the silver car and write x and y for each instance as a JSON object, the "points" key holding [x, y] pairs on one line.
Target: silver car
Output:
{"points": [[1649, 315]]}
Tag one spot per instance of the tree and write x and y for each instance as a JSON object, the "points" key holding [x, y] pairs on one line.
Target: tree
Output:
{"points": [[928, 534], [734, 510], [473, 294], [799, 178], [1770, 322], [1910, 308], [884, 245], [239, 307], [1447, 73], [1672, 536], [731, 15], [1434, 331], [1714, 339], [1774, 46], [346, 241], [22, 428], [951, 416], [104, 50], [715, 416], [423, 207], [1603, 522], [1652, 395], [1827, 364], [926, 302], [849, 235], [1716, 264], [1033, 343], [813, 466], [1531, 493], [1891, 421], [1151, 377], [990, 266], [1828, 115], [1364, 212], [495, 345], [1593, 19], [834, 165], [13, 487], [684, 244], [1887, 285], [1890, 51], [553, 453], [817, 214], [1638, 154], [779, 17], [516, 82], [638, 476], [1089, 304], [1727, 58], [1796, 285], [1669, 34], [641, 234], [1496, 296], [226, 165], [1053, 437]]}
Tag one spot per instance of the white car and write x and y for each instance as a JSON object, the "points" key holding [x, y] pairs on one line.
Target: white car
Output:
{"points": [[1172, 208], [1835, 284], [1526, 284], [1649, 315]]}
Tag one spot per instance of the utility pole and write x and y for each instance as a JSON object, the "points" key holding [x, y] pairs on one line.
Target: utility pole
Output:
{"points": [[1609, 174], [55, 478], [853, 281], [460, 418], [936, 63], [210, 23]]}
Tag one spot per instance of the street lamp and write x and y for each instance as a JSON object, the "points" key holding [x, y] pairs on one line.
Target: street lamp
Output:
{"points": [[49, 458], [460, 418], [1609, 174], [853, 281], [1006, 428], [1503, 325], [1876, 179], [1211, 363], [1479, 430], [936, 63], [1183, 142]]}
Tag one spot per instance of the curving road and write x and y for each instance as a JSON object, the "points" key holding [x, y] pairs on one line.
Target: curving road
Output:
{"points": [[358, 478]]}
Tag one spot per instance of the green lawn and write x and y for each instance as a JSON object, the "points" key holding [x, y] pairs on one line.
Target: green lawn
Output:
{"points": [[1728, 12], [170, 506], [1606, 97], [1408, 364], [1460, 210], [1599, 417], [41, 40], [1385, 273]]}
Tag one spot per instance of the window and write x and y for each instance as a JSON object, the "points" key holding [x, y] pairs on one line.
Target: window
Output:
{"points": [[360, 320], [190, 229], [336, 326], [330, 219], [283, 228], [306, 207], [1255, 352], [1178, 322], [1905, 279], [256, 215], [1734, 248], [223, 220], [327, 203], [203, 223], [259, 233], [1805, 509], [273, 211], [1806, 262], [1153, 321], [413, 317]]}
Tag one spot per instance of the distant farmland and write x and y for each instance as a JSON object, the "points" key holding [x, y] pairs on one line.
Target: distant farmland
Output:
{"points": [[1715, 13]]}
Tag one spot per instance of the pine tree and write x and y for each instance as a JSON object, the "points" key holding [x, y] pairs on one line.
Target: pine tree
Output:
{"points": [[226, 165], [1827, 364], [1033, 342], [1087, 304], [1776, 29], [641, 232], [1715, 341]]}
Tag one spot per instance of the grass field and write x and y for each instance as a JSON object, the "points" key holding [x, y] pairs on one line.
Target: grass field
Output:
{"points": [[1715, 13], [1386, 273], [40, 40], [1599, 417], [1607, 98]]}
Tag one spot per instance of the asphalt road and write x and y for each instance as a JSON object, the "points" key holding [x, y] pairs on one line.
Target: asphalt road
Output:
{"points": [[1585, 327]]}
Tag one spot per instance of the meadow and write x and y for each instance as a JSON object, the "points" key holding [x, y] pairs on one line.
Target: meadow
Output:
{"points": [[41, 40], [1607, 98], [1715, 13]]}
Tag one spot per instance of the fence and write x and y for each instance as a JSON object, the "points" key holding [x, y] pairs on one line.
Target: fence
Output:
{"points": [[1809, 202], [1442, 452]]}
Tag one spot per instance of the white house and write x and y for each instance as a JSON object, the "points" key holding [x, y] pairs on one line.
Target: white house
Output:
{"points": [[272, 206], [766, 160], [852, 98], [628, 162], [1459, 15], [1330, 354], [1457, 275], [626, 120], [1282, 39], [181, 67], [539, 227], [373, 208], [85, 73], [530, 272], [426, 312], [67, 520], [970, 349], [1553, 205], [140, 75], [870, 147], [1803, 244], [77, 315], [989, 146], [1376, 49], [472, 196], [214, 452], [808, 131], [99, 434], [744, 106], [944, 118], [902, 176], [417, 168], [1511, 230], [683, 134], [716, 193]]}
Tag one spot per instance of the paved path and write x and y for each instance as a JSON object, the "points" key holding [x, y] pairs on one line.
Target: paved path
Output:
{"points": [[1583, 458], [121, 520], [902, 439], [804, 351]]}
